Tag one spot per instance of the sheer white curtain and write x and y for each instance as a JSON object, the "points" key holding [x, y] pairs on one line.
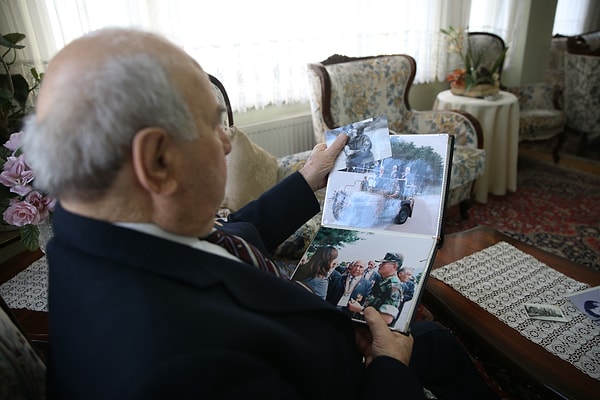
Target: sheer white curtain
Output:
{"points": [[576, 16], [260, 48]]}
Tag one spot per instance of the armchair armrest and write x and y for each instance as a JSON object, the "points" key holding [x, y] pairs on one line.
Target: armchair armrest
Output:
{"points": [[537, 96], [463, 126]]}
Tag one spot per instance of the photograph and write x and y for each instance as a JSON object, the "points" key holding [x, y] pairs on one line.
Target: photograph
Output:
{"points": [[402, 193], [355, 269], [547, 312], [588, 302], [368, 141]]}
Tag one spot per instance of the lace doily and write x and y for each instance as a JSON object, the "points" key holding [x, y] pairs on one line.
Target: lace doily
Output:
{"points": [[501, 279], [29, 288]]}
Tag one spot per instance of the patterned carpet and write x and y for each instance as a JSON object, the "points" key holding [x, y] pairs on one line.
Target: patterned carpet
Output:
{"points": [[554, 208]]}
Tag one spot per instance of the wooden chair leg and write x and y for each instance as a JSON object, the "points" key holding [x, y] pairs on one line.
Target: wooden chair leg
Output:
{"points": [[464, 209], [561, 139], [582, 144]]}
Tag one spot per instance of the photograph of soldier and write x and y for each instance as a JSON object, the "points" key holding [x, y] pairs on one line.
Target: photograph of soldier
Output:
{"points": [[386, 296], [358, 149]]}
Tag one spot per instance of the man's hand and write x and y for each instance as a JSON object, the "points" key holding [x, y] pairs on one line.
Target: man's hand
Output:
{"points": [[320, 162], [379, 340]]}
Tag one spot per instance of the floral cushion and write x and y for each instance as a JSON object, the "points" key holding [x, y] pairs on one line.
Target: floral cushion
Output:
{"points": [[22, 372], [541, 124], [467, 164], [539, 118]]}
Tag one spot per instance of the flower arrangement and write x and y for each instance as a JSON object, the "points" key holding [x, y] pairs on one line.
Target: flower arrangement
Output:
{"points": [[23, 206], [473, 73]]}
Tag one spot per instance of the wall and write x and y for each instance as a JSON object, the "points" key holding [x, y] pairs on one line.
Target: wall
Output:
{"points": [[530, 52]]}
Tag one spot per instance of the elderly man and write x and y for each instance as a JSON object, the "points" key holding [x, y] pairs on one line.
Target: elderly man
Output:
{"points": [[386, 295], [127, 135], [353, 287]]}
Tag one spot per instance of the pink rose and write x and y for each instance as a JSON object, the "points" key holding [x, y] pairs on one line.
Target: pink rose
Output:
{"points": [[17, 175], [21, 213], [14, 142], [44, 204]]}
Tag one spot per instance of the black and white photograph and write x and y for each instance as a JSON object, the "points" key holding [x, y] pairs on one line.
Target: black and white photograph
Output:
{"points": [[368, 142], [547, 312]]}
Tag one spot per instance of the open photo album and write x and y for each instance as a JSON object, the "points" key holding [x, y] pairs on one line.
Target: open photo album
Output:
{"points": [[382, 221]]}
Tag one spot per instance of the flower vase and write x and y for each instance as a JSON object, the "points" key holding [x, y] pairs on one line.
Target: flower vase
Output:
{"points": [[45, 234], [479, 91]]}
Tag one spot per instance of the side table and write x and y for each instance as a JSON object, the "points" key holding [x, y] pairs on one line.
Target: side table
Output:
{"points": [[558, 377], [499, 121]]}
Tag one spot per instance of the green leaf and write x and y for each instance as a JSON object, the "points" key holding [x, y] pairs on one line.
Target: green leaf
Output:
{"points": [[21, 89], [499, 61], [10, 40], [29, 236]]}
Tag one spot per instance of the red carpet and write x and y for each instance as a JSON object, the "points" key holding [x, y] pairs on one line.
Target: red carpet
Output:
{"points": [[554, 208]]}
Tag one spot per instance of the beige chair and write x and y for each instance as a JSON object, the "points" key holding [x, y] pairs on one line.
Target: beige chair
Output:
{"points": [[541, 117], [344, 90]]}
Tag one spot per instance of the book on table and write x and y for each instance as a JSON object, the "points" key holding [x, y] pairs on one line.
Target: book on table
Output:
{"points": [[382, 221]]}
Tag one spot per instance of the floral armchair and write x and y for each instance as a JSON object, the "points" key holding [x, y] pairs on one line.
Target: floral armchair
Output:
{"points": [[344, 90], [541, 117]]}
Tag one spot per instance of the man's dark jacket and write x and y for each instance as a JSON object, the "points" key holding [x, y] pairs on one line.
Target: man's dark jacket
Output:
{"points": [[134, 316]]}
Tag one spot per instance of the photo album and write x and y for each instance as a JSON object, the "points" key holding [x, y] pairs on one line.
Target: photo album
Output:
{"points": [[382, 221]]}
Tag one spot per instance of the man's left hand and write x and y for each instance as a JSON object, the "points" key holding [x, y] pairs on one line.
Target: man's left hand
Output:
{"points": [[321, 161]]}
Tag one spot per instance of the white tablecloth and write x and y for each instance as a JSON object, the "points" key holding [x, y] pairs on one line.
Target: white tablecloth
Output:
{"points": [[499, 121]]}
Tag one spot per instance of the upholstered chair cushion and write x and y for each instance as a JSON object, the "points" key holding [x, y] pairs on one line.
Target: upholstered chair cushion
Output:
{"points": [[541, 124], [251, 170], [540, 117], [22, 372]]}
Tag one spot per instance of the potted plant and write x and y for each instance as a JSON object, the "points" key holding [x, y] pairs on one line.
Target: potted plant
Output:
{"points": [[15, 90], [472, 79], [21, 205]]}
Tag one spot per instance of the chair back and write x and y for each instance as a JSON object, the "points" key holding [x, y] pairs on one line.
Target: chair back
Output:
{"points": [[488, 46], [349, 89], [222, 99], [22, 371], [582, 85]]}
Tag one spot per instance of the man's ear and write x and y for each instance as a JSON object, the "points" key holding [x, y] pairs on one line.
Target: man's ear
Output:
{"points": [[152, 160]]}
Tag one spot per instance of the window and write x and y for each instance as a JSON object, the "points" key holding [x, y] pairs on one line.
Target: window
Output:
{"points": [[259, 49]]}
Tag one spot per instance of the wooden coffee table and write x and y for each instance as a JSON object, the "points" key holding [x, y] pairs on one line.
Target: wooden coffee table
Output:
{"points": [[559, 377]]}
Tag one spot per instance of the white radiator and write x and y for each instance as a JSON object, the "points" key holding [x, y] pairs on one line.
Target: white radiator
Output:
{"points": [[284, 136]]}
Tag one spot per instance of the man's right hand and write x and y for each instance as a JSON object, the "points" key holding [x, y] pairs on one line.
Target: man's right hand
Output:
{"points": [[379, 340]]}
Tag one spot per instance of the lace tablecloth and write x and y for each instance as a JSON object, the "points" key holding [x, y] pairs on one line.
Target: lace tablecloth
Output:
{"points": [[501, 279]]}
